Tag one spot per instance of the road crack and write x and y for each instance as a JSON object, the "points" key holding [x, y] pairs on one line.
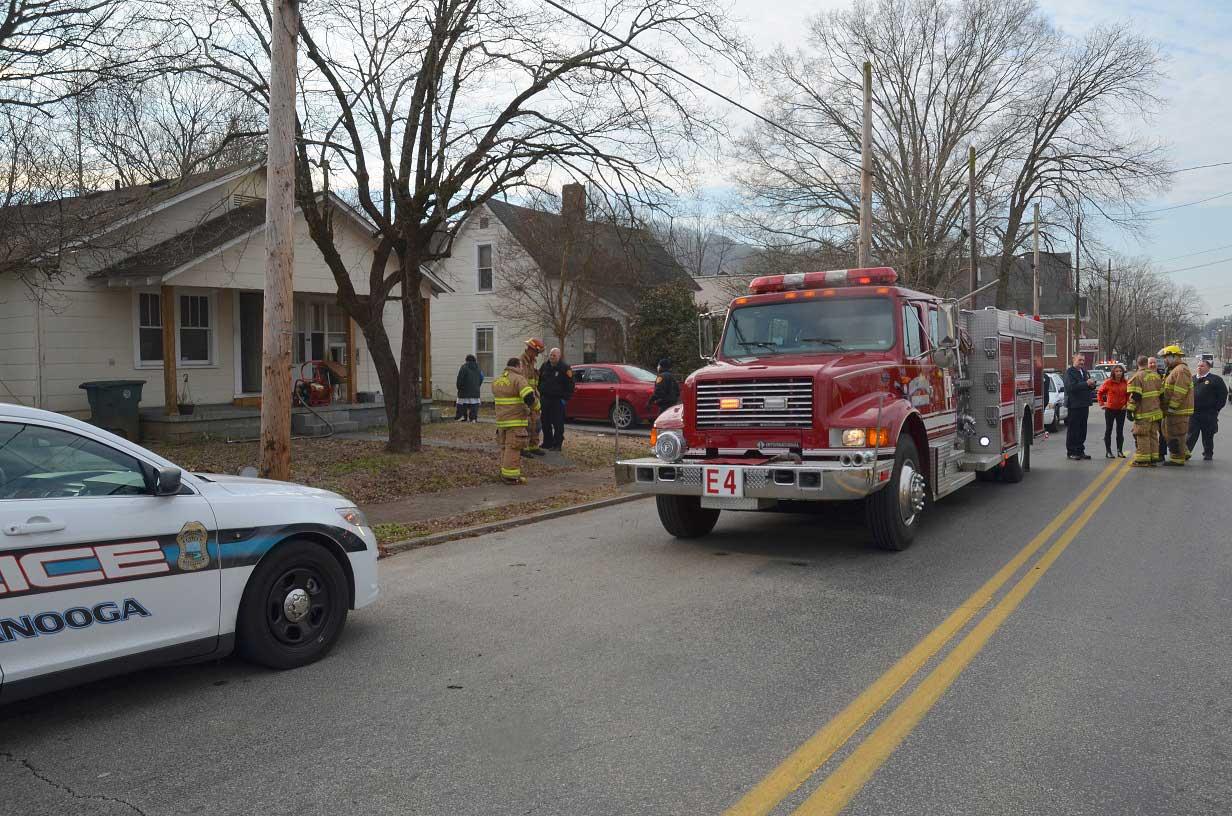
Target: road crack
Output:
{"points": [[86, 797]]}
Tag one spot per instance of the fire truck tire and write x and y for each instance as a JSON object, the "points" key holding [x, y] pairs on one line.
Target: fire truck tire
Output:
{"points": [[1013, 470], [893, 512], [684, 516]]}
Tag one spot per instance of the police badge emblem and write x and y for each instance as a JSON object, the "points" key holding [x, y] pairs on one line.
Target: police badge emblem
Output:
{"points": [[194, 550]]}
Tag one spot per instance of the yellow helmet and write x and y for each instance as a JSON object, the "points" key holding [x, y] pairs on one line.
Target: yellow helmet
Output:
{"points": [[1172, 349]]}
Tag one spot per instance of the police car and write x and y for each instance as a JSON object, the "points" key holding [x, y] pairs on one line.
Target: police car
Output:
{"points": [[112, 558]]}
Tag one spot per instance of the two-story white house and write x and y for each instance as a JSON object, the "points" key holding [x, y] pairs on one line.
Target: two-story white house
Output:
{"points": [[162, 283], [499, 242]]}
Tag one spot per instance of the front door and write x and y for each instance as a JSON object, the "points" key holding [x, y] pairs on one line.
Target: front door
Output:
{"points": [[93, 567], [252, 318]]}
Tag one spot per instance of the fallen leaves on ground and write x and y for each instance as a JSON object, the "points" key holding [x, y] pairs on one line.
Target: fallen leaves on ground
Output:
{"points": [[389, 533]]}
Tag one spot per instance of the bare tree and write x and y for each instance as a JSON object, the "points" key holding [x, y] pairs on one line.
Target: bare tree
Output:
{"points": [[700, 243], [1143, 309], [432, 107], [169, 126], [1037, 105]]}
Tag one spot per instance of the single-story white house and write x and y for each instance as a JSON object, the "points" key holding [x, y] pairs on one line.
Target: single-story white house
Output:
{"points": [[475, 316], [163, 283]]}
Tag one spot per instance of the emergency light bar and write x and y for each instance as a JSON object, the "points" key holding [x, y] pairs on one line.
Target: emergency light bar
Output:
{"points": [[873, 276]]}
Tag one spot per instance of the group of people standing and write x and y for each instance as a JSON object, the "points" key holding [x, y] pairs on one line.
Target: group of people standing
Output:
{"points": [[528, 400], [1168, 412]]}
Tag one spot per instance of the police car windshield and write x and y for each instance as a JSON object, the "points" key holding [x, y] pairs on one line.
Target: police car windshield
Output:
{"points": [[810, 326]]}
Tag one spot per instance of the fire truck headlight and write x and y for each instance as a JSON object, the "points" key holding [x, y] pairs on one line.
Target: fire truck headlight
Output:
{"points": [[984, 441], [669, 446], [853, 438]]}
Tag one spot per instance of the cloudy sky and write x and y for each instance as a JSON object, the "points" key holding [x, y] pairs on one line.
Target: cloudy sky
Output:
{"points": [[1195, 36]]}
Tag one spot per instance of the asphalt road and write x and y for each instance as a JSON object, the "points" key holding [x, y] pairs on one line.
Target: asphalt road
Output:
{"points": [[593, 665]]}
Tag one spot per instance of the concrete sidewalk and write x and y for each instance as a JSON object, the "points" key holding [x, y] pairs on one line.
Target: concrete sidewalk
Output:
{"points": [[447, 503]]}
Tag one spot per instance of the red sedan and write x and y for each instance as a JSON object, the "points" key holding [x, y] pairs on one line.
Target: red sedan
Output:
{"points": [[615, 392]]}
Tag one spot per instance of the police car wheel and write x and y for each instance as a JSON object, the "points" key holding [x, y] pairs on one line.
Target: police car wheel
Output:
{"points": [[294, 607]]}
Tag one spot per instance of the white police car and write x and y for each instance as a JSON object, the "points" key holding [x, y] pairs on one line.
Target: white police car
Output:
{"points": [[111, 559]]}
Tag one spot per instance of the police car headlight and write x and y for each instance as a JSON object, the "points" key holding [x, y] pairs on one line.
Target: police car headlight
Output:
{"points": [[353, 516], [669, 446]]}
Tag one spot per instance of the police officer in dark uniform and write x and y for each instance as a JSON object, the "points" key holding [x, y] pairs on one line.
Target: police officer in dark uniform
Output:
{"points": [[666, 390], [555, 389], [1210, 395]]}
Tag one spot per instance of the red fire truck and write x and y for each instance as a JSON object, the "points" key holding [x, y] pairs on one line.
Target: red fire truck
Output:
{"points": [[843, 386]]}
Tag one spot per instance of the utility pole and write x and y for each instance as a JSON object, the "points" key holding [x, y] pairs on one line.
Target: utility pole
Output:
{"points": [[279, 246], [864, 249], [1077, 276], [1108, 308], [975, 258], [1035, 268]]}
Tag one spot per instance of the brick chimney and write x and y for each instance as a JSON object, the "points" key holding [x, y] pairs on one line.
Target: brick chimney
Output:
{"points": [[573, 203]]}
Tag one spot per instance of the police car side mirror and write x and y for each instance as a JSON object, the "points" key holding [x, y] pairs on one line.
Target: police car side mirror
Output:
{"points": [[167, 481]]}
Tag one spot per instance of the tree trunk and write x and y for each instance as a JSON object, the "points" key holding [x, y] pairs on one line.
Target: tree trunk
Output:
{"points": [[405, 434]]}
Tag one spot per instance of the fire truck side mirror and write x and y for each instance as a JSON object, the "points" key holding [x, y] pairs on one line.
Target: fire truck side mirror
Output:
{"points": [[707, 336]]}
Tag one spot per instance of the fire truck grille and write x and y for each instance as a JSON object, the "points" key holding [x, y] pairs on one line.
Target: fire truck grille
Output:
{"points": [[786, 403]]}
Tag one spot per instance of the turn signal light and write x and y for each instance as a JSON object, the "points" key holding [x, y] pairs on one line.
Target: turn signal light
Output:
{"points": [[729, 403]]}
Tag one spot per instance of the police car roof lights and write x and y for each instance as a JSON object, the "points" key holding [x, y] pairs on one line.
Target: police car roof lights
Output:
{"points": [[870, 276]]}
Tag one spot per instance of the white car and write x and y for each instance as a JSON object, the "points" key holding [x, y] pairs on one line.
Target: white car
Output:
{"points": [[1056, 408], [112, 559]]}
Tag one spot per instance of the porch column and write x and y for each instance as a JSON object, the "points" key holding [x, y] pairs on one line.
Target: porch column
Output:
{"points": [[352, 386], [170, 396], [426, 340]]}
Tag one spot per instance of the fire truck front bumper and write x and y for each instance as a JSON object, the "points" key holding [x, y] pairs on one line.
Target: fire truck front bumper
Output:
{"points": [[733, 483]]}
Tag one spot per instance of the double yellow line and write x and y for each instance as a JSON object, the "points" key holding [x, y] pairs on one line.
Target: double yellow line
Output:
{"points": [[847, 780]]}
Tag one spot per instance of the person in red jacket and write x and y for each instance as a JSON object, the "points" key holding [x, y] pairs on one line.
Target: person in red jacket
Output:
{"points": [[1113, 399]]}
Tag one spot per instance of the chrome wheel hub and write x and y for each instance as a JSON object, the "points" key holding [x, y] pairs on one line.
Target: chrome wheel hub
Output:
{"points": [[910, 493], [295, 606]]}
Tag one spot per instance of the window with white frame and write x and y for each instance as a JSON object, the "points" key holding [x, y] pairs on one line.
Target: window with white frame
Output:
{"points": [[485, 349], [483, 272], [590, 346], [196, 329], [149, 328], [320, 332], [1050, 345]]}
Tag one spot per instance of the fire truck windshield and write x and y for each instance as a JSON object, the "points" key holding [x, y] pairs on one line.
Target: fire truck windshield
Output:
{"points": [[809, 327]]}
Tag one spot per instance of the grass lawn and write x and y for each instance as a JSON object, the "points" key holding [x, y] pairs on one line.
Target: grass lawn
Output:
{"points": [[365, 473]]}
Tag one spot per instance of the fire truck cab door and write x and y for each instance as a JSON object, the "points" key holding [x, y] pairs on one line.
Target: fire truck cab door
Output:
{"points": [[926, 390]]}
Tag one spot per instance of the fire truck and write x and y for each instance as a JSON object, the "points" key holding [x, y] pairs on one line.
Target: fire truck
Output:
{"points": [[844, 386]]}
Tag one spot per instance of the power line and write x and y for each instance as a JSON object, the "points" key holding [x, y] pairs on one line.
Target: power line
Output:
{"points": [[627, 44], [1197, 266], [1188, 204], [1200, 167], [1191, 254]]}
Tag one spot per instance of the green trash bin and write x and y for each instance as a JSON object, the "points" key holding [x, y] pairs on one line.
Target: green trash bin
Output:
{"points": [[113, 406]]}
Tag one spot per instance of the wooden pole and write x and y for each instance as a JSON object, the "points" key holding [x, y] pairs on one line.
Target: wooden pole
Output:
{"points": [[1108, 309], [864, 249], [352, 363], [1035, 268], [1078, 273], [166, 303], [975, 258], [279, 247]]}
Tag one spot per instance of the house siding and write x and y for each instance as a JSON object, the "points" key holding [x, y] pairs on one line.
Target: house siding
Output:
{"points": [[456, 315], [87, 329]]}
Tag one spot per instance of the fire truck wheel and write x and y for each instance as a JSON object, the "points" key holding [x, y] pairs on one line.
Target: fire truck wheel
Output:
{"points": [[684, 516], [893, 512], [1013, 470]]}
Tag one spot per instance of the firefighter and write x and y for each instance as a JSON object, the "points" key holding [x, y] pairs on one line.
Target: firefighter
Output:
{"points": [[1178, 405], [531, 372], [515, 404], [1144, 392]]}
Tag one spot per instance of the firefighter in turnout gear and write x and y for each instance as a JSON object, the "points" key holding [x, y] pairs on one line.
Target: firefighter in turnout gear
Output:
{"points": [[531, 372], [1178, 405], [1144, 391], [516, 402]]}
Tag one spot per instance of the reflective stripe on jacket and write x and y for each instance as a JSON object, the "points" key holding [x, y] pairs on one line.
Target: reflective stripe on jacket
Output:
{"points": [[1178, 396], [509, 391], [1144, 389]]}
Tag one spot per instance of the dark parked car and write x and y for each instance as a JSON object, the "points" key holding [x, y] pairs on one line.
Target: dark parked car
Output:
{"points": [[615, 392]]}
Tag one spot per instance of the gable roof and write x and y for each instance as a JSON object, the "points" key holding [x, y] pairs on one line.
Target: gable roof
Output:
{"points": [[629, 259], [29, 232]]}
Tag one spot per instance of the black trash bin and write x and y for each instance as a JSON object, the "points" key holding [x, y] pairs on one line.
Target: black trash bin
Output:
{"points": [[113, 406]]}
